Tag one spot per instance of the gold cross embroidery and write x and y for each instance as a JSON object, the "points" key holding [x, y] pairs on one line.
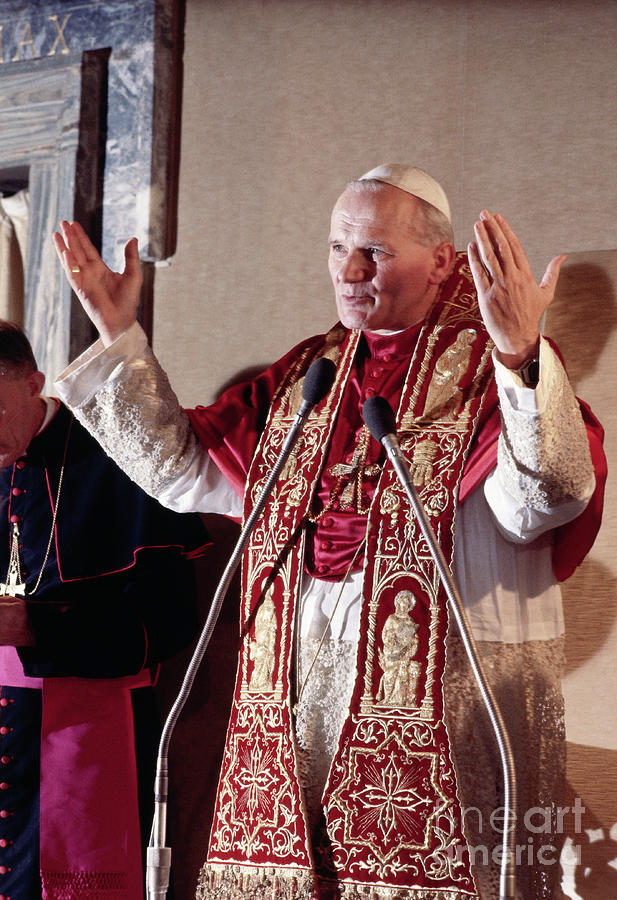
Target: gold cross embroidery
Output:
{"points": [[354, 473]]}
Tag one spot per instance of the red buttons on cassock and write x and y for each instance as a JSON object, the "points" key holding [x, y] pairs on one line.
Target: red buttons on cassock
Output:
{"points": [[15, 518], [4, 814], [4, 870], [16, 491], [4, 702], [4, 842], [327, 521], [326, 545], [21, 463], [323, 570], [4, 786], [5, 760], [387, 357], [377, 371], [5, 730]]}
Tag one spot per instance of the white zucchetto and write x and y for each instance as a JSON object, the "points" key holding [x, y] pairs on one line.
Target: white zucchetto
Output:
{"points": [[414, 181]]}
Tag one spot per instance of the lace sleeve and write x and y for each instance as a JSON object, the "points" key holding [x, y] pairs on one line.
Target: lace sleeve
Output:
{"points": [[543, 456], [138, 420]]}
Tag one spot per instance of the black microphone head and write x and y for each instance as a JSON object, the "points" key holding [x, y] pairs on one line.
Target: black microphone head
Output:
{"points": [[318, 380], [379, 417]]}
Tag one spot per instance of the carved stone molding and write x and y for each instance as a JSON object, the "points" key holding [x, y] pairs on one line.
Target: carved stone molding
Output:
{"points": [[89, 107]]}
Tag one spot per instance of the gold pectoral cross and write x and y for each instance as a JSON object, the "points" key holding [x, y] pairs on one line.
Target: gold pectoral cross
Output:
{"points": [[354, 473], [14, 586]]}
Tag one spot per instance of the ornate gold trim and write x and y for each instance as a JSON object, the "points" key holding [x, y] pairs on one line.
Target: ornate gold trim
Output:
{"points": [[254, 883]]}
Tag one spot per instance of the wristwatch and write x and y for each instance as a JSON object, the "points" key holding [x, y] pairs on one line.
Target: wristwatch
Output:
{"points": [[530, 372]]}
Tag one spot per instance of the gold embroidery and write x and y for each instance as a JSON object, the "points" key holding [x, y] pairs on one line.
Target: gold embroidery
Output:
{"points": [[256, 883], [401, 671], [393, 760], [261, 649], [444, 396], [293, 397], [383, 892], [350, 477], [389, 505], [424, 455], [275, 883], [297, 491], [388, 776], [370, 806], [258, 795], [400, 553], [291, 466]]}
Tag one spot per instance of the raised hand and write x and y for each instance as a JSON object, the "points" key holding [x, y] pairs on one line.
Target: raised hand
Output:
{"points": [[109, 298], [511, 301]]}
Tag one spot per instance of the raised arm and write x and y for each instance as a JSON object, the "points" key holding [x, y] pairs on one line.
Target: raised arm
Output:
{"points": [[511, 301], [121, 394], [544, 476], [109, 298]]}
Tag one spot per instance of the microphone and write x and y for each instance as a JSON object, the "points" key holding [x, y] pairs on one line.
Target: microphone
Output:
{"points": [[379, 418], [381, 422], [317, 382]]}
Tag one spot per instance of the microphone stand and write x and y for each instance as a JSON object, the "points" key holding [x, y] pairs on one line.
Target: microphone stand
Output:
{"points": [[381, 423], [317, 383]]}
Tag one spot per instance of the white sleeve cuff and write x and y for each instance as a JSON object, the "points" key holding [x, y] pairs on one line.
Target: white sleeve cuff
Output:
{"points": [[521, 397], [77, 384], [522, 524]]}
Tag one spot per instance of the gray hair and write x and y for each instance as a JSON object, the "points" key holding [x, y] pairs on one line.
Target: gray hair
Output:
{"points": [[430, 226]]}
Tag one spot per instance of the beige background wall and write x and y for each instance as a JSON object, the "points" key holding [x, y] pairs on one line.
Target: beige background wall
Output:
{"points": [[512, 106]]}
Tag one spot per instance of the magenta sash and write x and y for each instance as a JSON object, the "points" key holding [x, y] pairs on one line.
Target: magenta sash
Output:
{"points": [[90, 838]]}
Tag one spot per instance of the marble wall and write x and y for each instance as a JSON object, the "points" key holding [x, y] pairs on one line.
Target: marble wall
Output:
{"points": [[46, 100]]}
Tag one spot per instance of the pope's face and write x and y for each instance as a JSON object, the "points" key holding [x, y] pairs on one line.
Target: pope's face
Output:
{"points": [[21, 414], [384, 279]]}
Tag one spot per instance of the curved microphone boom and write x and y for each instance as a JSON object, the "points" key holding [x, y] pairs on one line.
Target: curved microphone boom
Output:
{"points": [[317, 382], [381, 422]]}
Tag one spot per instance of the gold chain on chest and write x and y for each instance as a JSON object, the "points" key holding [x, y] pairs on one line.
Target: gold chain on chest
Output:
{"points": [[15, 586]]}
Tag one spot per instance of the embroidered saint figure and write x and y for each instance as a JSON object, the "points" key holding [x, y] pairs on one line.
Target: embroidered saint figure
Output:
{"points": [[444, 397], [400, 643], [262, 647]]}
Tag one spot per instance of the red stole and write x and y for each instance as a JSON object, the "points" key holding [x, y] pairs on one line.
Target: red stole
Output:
{"points": [[392, 815]]}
